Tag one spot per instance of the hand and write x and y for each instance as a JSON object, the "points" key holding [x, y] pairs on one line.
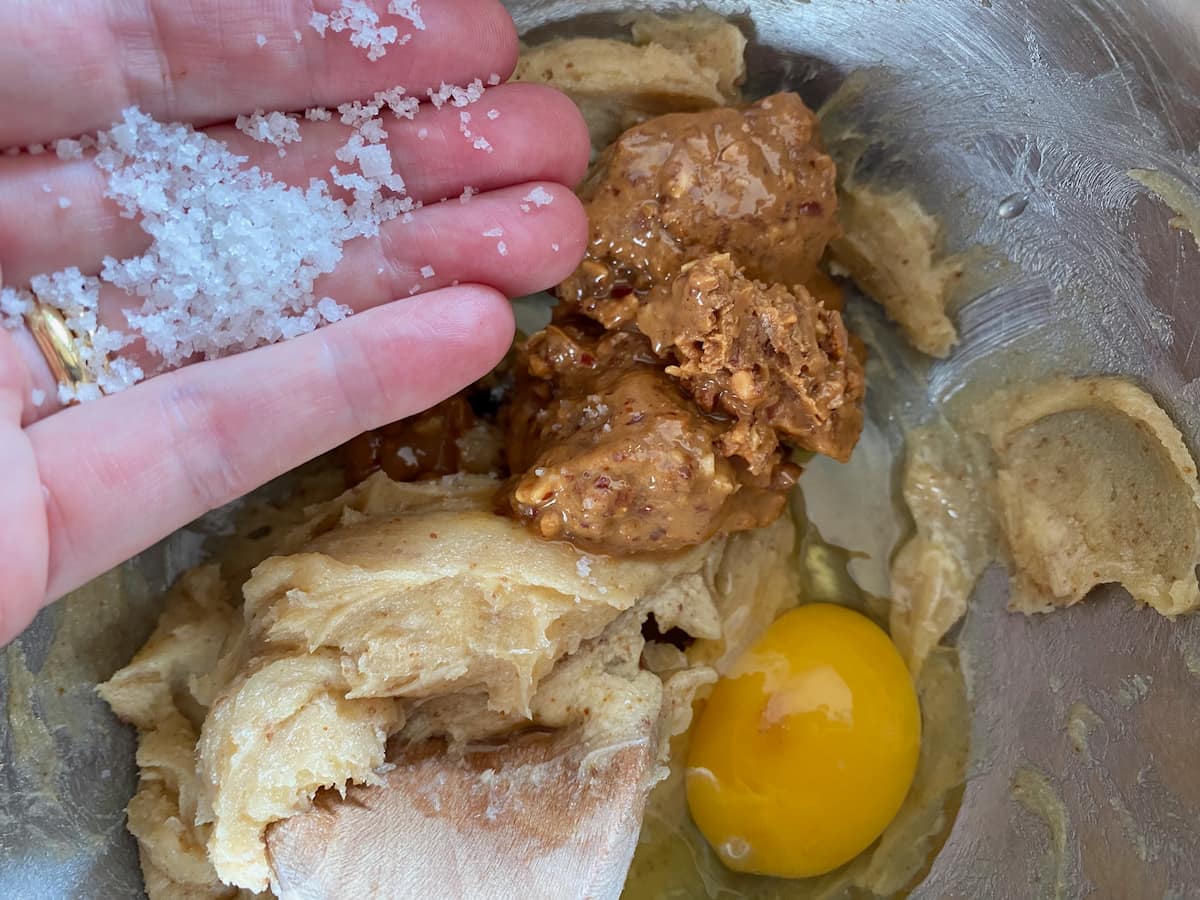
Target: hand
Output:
{"points": [[86, 487]]}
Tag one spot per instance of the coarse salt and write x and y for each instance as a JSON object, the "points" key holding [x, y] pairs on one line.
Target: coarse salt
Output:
{"points": [[467, 194], [363, 23], [422, 133], [554, 247], [502, 248], [539, 196], [37, 397], [331, 311], [494, 232], [233, 254], [274, 128], [64, 203], [408, 9], [261, 40], [427, 272], [493, 114], [68, 149], [583, 567], [14, 305], [375, 161], [231, 262]]}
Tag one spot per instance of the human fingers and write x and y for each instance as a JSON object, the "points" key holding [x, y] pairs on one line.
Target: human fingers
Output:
{"points": [[537, 134], [500, 239], [202, 62], [166, 451], [23, 536]]}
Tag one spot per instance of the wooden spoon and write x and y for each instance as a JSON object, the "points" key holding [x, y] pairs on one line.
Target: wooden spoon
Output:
{"points": [[543, 815]]}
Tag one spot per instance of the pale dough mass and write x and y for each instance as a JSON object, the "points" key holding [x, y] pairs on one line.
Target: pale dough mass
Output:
{"points": [[400, 608], [1073, 482]]}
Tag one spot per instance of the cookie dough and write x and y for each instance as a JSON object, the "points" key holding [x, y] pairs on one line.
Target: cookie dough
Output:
{"points": [[1074, 483], [686, 63], [403, 611], [1095, 486], [891, 248]]}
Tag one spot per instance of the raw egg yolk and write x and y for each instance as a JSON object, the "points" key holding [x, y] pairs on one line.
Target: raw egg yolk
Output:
{"points": [[806, 749]]}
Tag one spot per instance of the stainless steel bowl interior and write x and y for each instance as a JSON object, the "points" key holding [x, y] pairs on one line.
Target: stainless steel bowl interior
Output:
{"points": [[1082, 781]]}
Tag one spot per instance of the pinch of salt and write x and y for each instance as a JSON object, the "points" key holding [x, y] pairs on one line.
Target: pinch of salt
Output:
{"points": [[539, 196], [274, 128], [375, 161], [331, 311], [493, 114], [318, 114], [502, 248], [408, 9], [482, 143], [14, 305], [427, 272], [68, 149]]}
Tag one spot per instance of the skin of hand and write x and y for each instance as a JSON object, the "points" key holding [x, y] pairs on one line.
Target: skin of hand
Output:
{"points": [[86, 487]]}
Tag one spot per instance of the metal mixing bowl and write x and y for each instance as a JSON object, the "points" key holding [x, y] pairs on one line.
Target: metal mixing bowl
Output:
{"points": [[1017, 123]]}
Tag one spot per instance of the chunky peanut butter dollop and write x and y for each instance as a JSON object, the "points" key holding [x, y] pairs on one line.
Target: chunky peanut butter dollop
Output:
{"points": [[616, 457], [686, 359], [753, 182], [771, 357]]}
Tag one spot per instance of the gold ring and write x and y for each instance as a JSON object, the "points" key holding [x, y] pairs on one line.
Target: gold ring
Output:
{"points": [[58, 345]]}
